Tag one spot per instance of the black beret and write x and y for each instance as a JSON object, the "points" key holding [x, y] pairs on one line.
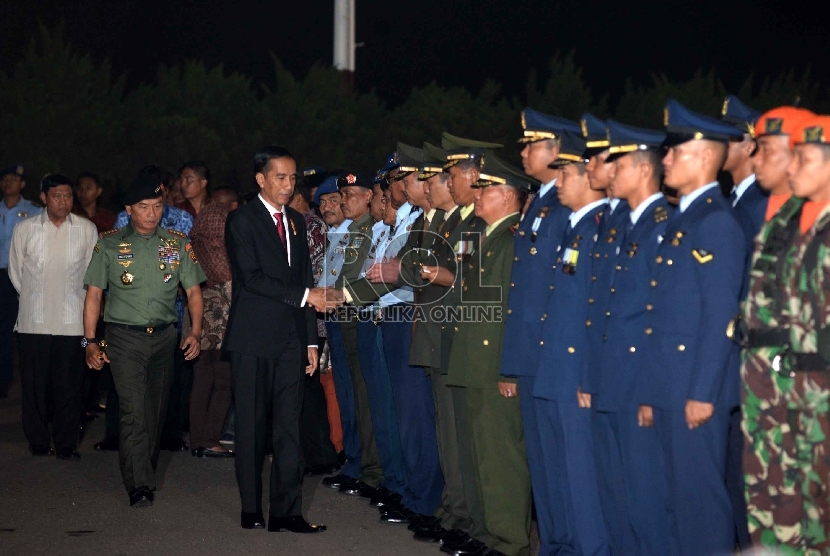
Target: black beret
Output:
{"points": [[348, 179], [143, 187]]}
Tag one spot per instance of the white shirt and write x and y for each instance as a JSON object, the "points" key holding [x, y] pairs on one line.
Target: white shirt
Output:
{"points": [[545, 188], [687, 200], [271, 211], [47, 264], [575, 217], [389, 249], [741, 188], [635, 214], [613, 204]]}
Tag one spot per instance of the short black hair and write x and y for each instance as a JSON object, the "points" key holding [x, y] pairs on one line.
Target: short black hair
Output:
{"points": [[303, 188], [265, 154], [157, 172], [653, 158], [53, 180], [91, 176], [228, 190], [197, 166]]}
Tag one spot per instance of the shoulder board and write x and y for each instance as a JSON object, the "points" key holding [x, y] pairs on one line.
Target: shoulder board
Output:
{"points": [[660, 214], [109, 232], [177, 233]]}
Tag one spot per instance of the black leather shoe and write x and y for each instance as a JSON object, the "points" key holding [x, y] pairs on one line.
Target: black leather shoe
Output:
{"points": [[424, 522], [357, 488], [294, 523], [201, 452], [174, 445], [141, 497], [430, 534], [472, 548], [395, 515], [454, 537], [68, 454], [253, 521], [41, 450], [321, 469], [109, 444], [338, 481], [385, 497]]}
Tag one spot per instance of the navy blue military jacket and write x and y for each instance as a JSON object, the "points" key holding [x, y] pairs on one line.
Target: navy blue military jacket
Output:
{"points": [[564, 341], [751, 211], [609, 239], [695, 291], [619, 357], [534, 253]]}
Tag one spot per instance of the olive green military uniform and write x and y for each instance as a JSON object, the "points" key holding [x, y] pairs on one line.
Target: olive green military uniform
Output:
{"points": [[142, 276], [360, 241], [496, 433]]}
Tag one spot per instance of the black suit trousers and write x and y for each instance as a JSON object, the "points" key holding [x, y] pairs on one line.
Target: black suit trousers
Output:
{"points": [[315, 432], [264, 387]]}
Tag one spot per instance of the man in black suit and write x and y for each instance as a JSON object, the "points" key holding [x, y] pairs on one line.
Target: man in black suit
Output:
{"points": [[272, 317]]}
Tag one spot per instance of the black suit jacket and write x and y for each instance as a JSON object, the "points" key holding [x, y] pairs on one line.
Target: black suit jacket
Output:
{"points": [[267, 291]]}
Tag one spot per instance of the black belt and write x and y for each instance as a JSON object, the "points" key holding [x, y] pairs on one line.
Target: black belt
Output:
{"points": [[764, 338], [155, 329]]}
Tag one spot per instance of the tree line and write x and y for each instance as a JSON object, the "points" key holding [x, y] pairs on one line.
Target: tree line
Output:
{"points": [[61, 112]]}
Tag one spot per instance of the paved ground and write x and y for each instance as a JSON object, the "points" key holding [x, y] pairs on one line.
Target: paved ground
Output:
{"points": [[81, 508]]}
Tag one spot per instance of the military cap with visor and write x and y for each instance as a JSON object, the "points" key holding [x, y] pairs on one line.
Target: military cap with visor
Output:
{"points": [[684, 125], [595, 133], [571, 150], [625, 139], [498, 172], [458, 149], [409, 160], [537, 126], [739, 114], [433, 162]]}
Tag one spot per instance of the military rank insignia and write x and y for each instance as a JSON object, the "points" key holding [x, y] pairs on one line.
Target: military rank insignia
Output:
{"points": [[702, 256], [569, 259], [661, 214]]}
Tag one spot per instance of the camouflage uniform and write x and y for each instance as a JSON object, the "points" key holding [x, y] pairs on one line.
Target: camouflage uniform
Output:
{"points": [[785, 396]]}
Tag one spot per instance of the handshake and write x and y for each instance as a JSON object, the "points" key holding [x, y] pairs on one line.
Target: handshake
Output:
{"points": [[325, 300]]}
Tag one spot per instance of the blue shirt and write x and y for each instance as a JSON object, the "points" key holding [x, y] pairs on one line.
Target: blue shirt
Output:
{"points": [[8, 218]]}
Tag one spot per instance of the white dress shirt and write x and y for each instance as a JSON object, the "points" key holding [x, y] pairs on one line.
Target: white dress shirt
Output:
{"points": [[271, 211], [47, 264]]}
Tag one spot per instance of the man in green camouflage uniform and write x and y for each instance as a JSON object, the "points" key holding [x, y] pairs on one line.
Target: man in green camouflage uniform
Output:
{"points": [[786, 366]]}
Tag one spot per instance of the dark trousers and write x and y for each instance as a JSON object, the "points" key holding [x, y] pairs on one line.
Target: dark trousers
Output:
{"points": [[384, 422], [315, 433], [371, 471], [142, 368], [210, 398], [467, 465], [178, 408], [500, 462], [629, 473], [735, 478], [415, 410], [52, 365], [8, 317], [567, 449], [697, 503], [344, 390], [261, 388], [453, 511], [112, 413]]}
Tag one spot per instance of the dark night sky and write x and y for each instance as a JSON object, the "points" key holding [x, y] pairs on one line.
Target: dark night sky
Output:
{"points": [[453, 43]]}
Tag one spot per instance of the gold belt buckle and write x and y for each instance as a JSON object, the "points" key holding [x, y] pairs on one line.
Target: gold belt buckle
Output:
{"points": [[149, 330]]}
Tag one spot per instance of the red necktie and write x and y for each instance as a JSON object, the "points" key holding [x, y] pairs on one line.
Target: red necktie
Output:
{"points": [[280, 228]]}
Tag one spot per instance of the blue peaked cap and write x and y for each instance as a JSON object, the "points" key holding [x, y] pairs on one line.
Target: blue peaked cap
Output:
{"points": [[537, 126], [684, 125], [625, 139], [595, 133], [739, 114]]}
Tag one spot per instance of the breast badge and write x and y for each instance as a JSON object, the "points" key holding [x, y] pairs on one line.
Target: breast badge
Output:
{"points": [[127, 278]]}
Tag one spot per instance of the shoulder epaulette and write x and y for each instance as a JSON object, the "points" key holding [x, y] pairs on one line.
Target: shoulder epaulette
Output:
{"points": [[109, 232], [660, 214], [177, 233]]}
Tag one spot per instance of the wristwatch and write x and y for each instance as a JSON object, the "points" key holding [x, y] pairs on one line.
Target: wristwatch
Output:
{"points": [[86, 341]]}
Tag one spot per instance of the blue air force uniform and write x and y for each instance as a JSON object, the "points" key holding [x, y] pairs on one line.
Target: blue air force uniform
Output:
{"points": [[695, 291], [534, 253]]}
